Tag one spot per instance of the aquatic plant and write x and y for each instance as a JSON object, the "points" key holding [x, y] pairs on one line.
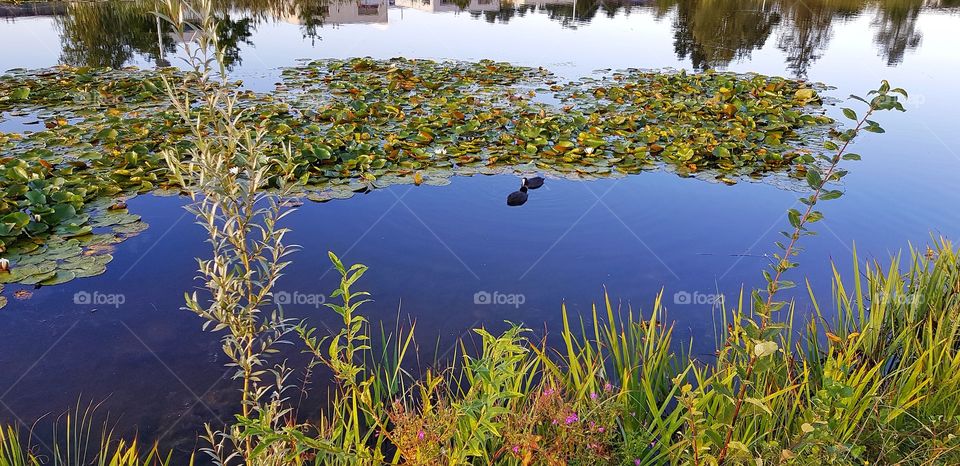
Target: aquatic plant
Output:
{"points": [[478, 116], [59, 211], [359, 124]]}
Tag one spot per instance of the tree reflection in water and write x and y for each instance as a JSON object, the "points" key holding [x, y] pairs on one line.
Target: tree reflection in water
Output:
{"points": [[113, 33], [708, 33]]}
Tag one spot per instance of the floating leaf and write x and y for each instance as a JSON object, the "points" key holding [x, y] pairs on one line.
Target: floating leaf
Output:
{"points": [[60, 277], [20, 93]]}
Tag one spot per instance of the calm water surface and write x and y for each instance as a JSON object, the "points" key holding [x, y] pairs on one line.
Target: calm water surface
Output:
{"points": [[433, 249]]}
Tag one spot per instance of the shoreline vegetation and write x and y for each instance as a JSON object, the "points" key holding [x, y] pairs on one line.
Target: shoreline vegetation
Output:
{"points": [[870, 378]]}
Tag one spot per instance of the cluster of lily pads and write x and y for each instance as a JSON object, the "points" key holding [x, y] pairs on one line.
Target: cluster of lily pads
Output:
{"points": [[410, 114], [361, 123]]}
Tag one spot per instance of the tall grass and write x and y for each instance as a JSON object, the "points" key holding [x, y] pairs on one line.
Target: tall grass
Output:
{"points": [[870, 375], [879, 386], [79, 438]]}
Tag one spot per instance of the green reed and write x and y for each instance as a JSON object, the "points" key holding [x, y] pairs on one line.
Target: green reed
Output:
{"points": [[79, 439]]}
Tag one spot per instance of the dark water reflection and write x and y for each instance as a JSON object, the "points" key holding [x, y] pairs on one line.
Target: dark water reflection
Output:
{"points": [[432, 249]]}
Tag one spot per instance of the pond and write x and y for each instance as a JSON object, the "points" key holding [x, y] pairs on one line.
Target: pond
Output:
{"points": [[455, 257]]}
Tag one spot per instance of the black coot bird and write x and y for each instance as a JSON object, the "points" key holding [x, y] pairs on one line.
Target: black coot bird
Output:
{"points": [[517, 198], [533, 183]]}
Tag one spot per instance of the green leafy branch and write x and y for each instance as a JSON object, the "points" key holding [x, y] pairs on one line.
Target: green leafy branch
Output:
{"points": [[883, 98]]}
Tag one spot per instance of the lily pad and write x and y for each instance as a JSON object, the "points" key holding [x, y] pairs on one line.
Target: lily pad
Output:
{"points": [[61, 276], [19, 274], [37, 278], [359, 124]]}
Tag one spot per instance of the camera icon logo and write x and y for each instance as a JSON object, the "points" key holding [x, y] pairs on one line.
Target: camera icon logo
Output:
{"points": [[282, 297], [682, 297], [82, 297], [482, 297]]}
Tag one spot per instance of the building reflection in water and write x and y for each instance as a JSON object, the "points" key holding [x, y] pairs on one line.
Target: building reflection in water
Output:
{"points": [[353, 12], [450, 6]]}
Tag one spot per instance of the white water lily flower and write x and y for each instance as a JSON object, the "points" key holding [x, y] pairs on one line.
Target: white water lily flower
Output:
{"points": [[440, 151]]}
